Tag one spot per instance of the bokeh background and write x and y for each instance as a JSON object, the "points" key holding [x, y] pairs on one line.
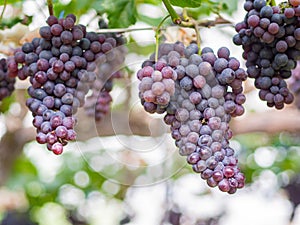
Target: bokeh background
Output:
{"points": [[126, 168]]}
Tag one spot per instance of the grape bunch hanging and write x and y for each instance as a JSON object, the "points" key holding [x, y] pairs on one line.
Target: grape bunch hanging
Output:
{"points": [[199, 94], [62, 68], [270, 37]]}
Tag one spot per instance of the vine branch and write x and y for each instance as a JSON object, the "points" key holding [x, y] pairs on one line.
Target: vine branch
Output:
{"points": [[4, 7], [191, 24], [50, 7], [123, 30]]}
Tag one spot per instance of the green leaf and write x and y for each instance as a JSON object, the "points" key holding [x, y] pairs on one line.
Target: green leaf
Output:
{"points": [[121, 13], [213, 6], [76, 7], [204, 10], [10, 1], [153, 2], [5, 103], [186, 3], [229, 6]]}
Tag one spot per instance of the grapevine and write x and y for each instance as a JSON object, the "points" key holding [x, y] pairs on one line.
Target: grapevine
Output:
{"points": [[197, 90]]}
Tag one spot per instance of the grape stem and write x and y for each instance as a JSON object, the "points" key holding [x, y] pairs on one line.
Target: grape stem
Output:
{"points": [[157, 34], [50, 7], [175, 17], [4, 7], [198, 38]]}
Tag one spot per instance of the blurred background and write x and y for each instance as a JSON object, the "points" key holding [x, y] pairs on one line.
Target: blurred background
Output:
{"points": [[126, 168]]}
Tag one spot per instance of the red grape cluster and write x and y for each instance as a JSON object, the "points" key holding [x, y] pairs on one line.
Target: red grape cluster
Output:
{"points": [[208, 91], [61, 66], [7, 83], [270, 37]]}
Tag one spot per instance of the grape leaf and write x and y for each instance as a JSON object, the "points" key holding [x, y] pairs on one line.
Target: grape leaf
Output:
{"points": [[121, 13], [9, 2], [229, 6], [5, 103], [209, 7], [76, 7], [186, 3], [153, 2]]}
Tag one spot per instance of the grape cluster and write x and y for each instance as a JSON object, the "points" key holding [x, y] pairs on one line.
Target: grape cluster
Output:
{"points": [[270, 37], [294, 83], [110, 61], [208, 92], [61, 67], [7, 83], [157, 85]]}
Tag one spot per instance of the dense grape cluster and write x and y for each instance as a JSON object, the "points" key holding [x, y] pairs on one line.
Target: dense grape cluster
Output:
{"points": [[294, 83], [157, 84], [7, 83], [61, 67], [205, 92], [110, 61], [270, 37]]}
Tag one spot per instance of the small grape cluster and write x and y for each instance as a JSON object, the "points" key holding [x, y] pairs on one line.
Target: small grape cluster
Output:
{"points": [[61, 66], [294, 83], [206, 93], [7, 83], [157, 85], [109, 68], [270, 37]]}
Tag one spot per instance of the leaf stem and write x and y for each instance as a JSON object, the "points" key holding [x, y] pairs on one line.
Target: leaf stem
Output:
{"points": [[4, 7], [157, 33], [175, 17], [50, 7]]}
